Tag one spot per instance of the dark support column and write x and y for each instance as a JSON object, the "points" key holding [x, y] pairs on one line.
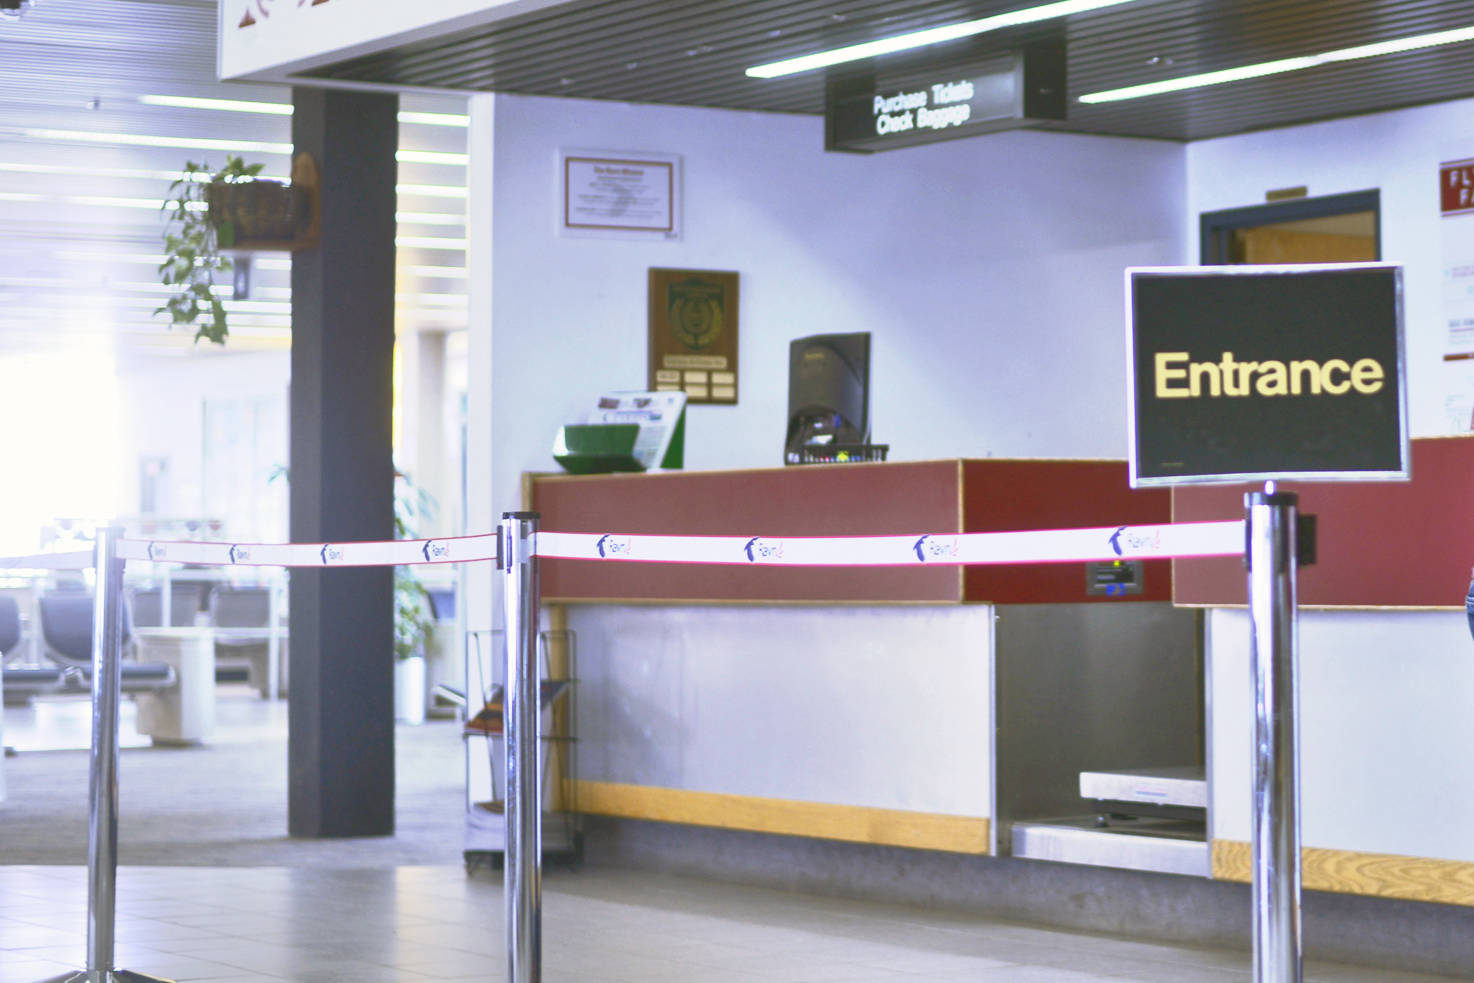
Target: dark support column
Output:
{"points": [[341, 680]]}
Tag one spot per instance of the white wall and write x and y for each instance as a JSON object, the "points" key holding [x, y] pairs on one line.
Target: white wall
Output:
{"points": [[883, 707], [161, 404], [1386, 737], [988, 271], [1398, 153]]}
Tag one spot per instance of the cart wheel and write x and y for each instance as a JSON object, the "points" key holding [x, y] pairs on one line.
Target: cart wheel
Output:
{"points": [[479, 858]]}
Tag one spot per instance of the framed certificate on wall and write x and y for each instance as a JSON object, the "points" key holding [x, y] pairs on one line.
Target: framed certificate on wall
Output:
{"points": [[613, 195]]}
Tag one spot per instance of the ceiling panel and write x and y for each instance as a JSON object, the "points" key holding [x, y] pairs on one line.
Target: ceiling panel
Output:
{"points": [[81, 181], [79, 228], [694, 52]]}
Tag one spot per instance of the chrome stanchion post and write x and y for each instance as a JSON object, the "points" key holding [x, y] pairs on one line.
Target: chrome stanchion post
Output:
{"points": [[102, 823], [1274, 659], [522, 719], [107, 695]]}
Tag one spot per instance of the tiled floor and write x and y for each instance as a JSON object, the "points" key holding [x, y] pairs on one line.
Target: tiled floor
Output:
{"points": [[418, 923], [325, 923], [60, 723]]}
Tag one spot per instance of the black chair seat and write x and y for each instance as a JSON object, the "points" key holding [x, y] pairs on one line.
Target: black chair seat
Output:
{"points": [[9, 624], [30, 680], [137, 676], [154, 675]]}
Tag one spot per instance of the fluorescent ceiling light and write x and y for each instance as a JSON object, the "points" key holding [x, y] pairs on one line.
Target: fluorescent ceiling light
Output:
{"points": [[27, 168], [443, 272], [429, 218], [430, 190], [430, 242], [1282, 65], [933, 35], [101, 201], [81, 256], [285, 109], [227, 105], [145, 140], [435, 119], [430, 157]]}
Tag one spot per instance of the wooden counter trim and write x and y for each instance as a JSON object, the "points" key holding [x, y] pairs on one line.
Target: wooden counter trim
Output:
{"points": [[854, 824], [1401, 609], [1378, 875], [789, 468], [727, 602]]}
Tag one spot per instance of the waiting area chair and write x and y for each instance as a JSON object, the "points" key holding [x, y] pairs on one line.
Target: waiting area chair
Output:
{"points": [[66, 631], [147, 605], [20, 683], [242, 620], [9, 625]]}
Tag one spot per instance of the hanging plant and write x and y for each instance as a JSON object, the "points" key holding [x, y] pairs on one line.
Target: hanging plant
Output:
{"points": [[192, 245]]}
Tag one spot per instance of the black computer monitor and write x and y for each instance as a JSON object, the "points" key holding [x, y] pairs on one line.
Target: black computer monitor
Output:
{"points": [[828, 392]]}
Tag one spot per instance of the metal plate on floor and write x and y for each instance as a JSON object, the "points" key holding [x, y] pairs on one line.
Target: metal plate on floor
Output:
{"points": [[1157, 845]]}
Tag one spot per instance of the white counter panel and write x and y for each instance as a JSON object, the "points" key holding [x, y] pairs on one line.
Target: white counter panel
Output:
{"points": [[1387, 731], [882, 707]]}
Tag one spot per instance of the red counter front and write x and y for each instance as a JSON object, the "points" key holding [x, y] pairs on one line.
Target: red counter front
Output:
{"points": [[891, 499], [1380, 544]]}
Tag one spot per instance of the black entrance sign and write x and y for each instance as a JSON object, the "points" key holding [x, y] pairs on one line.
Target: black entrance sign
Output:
{"points": [[1243, 373]]}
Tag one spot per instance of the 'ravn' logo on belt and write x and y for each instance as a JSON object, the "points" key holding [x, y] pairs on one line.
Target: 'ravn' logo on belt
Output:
{"points": [[239, 554], [930, 549], [760, 550], [433, 551], [1127, 540], [331, 553], [610, 545]]}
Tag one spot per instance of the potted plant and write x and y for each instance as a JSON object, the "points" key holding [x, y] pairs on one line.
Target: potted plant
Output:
{"points": [[208, 213], [414, 624]]}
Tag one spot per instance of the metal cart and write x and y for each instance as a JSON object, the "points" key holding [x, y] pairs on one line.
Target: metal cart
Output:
{"points": [[484, 740]]}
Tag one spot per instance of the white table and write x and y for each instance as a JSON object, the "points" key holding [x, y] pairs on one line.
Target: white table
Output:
{"points": [[185, 712]]}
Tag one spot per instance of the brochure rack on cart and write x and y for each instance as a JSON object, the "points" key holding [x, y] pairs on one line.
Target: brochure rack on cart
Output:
{"points": [[485, 744]]}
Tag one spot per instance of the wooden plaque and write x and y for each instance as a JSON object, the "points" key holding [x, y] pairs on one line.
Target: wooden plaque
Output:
{"points": [[693, 334]]}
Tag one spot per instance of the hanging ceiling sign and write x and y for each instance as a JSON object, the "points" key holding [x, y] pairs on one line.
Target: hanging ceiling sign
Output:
{"points": [[928, 105], [1241, 373]]}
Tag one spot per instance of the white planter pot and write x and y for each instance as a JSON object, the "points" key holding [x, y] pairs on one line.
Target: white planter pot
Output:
{"points": [[409, 690]]}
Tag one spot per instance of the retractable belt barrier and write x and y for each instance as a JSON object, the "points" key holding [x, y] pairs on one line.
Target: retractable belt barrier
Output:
{"points": [[75, 560], [1035, 546], [513, 547]]}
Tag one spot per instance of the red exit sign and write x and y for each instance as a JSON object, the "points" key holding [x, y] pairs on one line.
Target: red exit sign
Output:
{"points": [[1456, 186]]}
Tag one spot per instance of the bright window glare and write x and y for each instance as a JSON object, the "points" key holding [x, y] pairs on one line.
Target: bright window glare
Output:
{"points": [[68, 462]]}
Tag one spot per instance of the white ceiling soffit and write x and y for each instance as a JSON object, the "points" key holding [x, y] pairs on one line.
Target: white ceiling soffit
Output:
{"points": [[85, 165], [267, 40]]}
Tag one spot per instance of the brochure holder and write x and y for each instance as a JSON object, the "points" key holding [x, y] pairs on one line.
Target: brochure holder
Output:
{"points": [[626, 431]]}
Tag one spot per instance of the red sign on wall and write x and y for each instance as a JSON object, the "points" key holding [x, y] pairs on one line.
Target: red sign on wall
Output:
{"points": [[1456, 186]]}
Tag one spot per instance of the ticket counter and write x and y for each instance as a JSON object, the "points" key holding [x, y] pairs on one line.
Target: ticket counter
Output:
{"points": [[950, 708], [863, 703]]}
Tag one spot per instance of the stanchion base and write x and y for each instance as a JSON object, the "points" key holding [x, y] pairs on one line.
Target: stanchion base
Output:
{"points": [[106, 976]]}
